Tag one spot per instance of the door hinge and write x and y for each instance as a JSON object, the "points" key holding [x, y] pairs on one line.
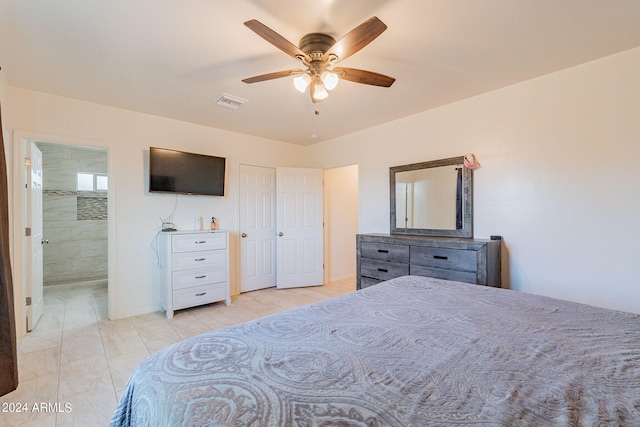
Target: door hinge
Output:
{"points": [[27, 161], [28, 301], [27, 231]]}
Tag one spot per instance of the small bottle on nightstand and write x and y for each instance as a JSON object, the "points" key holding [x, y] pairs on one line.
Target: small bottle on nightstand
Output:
{"points": [[214, 223]]}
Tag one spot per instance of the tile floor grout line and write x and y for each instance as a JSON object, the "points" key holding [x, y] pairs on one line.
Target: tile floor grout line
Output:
{"points": [[104, 349], [64, 318]]}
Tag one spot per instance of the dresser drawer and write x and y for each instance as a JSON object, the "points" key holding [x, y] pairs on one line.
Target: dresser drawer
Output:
{"points": [[199, 295], [186, 279], [198, 242], [382, 270], [202, 259], [385, 252], [438, 273], [450, 259], [365, 282]]}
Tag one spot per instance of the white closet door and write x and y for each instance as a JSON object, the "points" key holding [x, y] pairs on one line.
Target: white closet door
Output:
{"points": [[257, 228], [299, 227]]}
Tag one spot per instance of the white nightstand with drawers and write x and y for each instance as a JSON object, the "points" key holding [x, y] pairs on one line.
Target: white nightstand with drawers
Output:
{"points": [[195, 269]]}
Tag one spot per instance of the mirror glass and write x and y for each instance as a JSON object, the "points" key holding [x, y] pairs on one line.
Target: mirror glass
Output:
{"points": [[432, 198]]}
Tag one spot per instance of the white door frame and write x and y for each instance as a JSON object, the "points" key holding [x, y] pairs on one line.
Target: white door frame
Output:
{"points": [[18, 221]]}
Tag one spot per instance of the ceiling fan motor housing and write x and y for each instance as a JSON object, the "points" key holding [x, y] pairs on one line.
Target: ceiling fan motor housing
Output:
{"points": [[316, 44]]}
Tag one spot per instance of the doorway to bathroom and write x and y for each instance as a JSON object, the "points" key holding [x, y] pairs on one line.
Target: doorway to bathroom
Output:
{"points": [[74, 233]]}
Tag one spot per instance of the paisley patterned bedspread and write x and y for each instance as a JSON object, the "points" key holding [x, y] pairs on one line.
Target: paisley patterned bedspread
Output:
{"points": [[408, 352]]}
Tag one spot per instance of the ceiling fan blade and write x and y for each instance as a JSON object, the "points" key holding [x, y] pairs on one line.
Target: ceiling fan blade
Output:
{"points": [[364, 77], [356, 39], [276, 39], [271, 76]]}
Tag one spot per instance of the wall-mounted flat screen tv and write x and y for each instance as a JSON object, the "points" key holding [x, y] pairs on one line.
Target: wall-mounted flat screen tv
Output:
{"points": [[172, 171]]}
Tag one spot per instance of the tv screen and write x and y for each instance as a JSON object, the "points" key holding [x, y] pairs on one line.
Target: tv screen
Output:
{"points": [[172, 171]]}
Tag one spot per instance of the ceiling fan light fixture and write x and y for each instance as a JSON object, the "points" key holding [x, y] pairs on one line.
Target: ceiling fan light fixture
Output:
{"points": [[301, 82], [319, 52], [319, 92], [330, 80]]}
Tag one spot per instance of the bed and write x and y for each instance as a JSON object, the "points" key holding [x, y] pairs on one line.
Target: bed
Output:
{"points": [[411, 351]]}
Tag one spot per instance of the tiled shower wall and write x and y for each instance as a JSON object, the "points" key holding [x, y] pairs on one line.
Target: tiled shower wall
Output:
{"points": [[74, 223]]}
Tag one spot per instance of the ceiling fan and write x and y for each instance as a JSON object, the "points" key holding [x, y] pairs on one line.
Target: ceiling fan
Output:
{"points": [[319, 52]]}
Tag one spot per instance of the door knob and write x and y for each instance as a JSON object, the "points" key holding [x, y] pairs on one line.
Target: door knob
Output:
{"points": [[281, 234], [243, 235]]}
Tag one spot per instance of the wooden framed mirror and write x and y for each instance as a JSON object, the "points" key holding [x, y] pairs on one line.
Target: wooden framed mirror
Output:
{"points": [[432, 198]]}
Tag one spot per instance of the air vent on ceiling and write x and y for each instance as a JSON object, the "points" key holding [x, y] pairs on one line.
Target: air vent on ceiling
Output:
{"points": [[230, 101]]}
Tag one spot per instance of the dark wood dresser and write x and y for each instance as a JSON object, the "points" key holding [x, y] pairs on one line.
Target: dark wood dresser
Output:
{"points": [[384, 256]]}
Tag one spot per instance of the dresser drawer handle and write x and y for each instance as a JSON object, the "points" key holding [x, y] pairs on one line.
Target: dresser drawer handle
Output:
{"points": [[199, 259], [201, 294], [383, 251], [201, 277], [440, 257], [199, 242], [384, 270]]}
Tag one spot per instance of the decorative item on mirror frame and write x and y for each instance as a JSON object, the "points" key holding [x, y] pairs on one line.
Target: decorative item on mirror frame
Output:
{"points": [[470, 161]]}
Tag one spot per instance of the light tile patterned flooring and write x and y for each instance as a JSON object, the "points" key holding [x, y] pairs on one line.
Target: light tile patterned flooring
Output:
{"points": [[77, 362]]}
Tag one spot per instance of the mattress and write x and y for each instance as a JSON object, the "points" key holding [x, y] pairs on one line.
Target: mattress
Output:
{"points": [[411, 351]]}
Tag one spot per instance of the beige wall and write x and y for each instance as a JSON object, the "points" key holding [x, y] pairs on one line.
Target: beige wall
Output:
{"points": [[559, 177], [6, 130], [341, 221]]}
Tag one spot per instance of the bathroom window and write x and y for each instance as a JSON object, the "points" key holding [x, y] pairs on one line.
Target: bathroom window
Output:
{"points": [[101, 182], [92, 181]]}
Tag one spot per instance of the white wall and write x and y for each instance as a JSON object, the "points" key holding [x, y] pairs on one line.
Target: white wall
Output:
{"points": [[134, 213], [6, 132], [559, 177], [341, 221]]}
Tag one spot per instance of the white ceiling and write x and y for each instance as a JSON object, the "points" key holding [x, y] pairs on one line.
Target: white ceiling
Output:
{"points": [[173, 58]]}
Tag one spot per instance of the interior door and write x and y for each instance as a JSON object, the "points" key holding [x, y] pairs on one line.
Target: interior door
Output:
{"points": [[35, 240], [257, 228], [299, 226]]}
